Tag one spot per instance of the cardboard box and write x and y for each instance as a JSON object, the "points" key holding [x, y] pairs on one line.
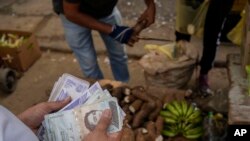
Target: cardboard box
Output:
{"points": [[23, 56], [245, 49]]}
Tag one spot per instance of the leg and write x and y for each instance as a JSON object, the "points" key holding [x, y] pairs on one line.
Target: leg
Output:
{"points": [[81, 43], [215, 18], [116, 51]]}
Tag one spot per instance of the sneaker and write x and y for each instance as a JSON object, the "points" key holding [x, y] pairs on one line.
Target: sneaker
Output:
{"points": [[204, 88]]}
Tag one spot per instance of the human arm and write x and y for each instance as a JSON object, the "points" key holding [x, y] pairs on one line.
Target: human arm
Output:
{"points": [[72, 13], [100, 131], [33, 116], [149, 13], [120, 33]]}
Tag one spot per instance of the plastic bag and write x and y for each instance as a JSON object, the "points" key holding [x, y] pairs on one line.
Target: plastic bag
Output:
{"points": [[236, 34], [185, 13], [171, 50], [197, 26]]}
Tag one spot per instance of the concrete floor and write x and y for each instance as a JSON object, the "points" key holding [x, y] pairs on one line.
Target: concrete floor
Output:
{"points": [[35, 84]]}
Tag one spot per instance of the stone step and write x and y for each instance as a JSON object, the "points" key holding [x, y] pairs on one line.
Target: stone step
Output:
{"points": [[239, 100]]}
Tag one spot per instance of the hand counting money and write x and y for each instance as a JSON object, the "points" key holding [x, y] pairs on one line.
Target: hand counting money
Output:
{"points": [[81, 115]]}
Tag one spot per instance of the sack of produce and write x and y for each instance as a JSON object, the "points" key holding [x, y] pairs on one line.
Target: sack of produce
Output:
{"points": [[169, 65]]}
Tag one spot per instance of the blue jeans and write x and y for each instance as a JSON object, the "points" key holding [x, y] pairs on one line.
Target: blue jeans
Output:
{"points": [[80, 40]]}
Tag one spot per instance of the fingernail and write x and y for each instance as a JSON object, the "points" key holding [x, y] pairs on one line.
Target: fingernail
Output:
{"points": [[107, 113]]}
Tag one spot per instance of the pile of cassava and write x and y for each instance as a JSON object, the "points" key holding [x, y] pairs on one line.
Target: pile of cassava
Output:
{"points": [[143, 121]]}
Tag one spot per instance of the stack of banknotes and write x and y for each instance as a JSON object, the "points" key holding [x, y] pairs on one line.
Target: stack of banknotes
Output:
{"points": [[74, 121]]}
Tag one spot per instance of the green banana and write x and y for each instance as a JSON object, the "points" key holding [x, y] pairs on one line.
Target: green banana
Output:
{"points": [[181, 118], [184, 107], [172, 109], [179, 127], [189, 111], [193, 131], [197, 120], [167, 114], [187, 126], [194, 115], [170, 120], [178, 107], [169, 133], [195, 136]]}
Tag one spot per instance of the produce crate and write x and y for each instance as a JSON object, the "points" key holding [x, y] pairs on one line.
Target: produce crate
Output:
{"points": [[245, 49], [22, 55]]}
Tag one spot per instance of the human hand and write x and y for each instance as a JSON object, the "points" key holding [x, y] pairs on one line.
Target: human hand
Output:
{"points": [[34, 116], [121, 33], [100, 131]]}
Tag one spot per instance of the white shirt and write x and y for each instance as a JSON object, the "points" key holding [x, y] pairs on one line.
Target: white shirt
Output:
{"points": [[12, 129]]}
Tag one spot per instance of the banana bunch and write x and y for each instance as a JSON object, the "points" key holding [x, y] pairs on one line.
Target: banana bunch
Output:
{"points": [[11, 40], [181, 118]]}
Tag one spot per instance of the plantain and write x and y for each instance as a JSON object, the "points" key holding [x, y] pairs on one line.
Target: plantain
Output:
{"points": [[187, 126], [172, 109], [189, 110], [193, 131], [178, 107], [184, 107], [194, 115], [181, 118], [167, 114], [170, 131], [179, 127], [197, 120], [195, 136], [170, 120]]}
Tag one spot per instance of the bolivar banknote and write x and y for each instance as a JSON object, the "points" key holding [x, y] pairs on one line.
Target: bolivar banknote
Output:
{"points": [[75, 124], [68, 85], [83, 97]]}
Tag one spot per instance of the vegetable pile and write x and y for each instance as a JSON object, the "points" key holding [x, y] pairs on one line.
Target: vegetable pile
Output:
{"points": [[143, 121]]}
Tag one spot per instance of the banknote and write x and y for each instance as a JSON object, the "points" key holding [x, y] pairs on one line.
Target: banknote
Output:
{"points": [[96, 94], [73, 104], [56, 87], [123, 114], [62, 126], [76, 123], [77, 102], [88, 102], [69, 85]]}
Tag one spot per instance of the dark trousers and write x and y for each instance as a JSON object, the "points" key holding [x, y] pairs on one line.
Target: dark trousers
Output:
{"points": [[215, 18]]}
